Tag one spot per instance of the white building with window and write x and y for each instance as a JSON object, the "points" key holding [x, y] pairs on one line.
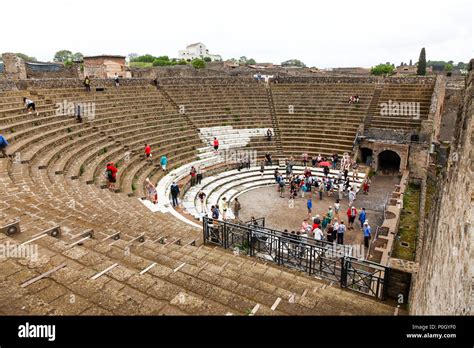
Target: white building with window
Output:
{"points": [[197, 50]]}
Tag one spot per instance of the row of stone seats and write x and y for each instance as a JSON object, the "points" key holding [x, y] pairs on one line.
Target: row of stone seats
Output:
{"points": [[402, 93], [231, 184], [222, 104], [317, 118], [104, 277]]}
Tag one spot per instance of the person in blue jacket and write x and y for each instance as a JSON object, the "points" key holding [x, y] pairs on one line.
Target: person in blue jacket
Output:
{"points": [[3, 145], [362, 217], [163, 162]]}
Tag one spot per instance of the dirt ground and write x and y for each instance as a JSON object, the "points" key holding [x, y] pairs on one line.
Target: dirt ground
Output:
{"points": [[266, 202]]}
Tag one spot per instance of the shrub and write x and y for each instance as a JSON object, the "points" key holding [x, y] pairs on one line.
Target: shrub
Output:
{"points": [[382, 69], [207, 59], [198, 64], [182, 62]]}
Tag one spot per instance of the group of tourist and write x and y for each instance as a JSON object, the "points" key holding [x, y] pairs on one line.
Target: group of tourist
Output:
{"points": [[87, 82]]}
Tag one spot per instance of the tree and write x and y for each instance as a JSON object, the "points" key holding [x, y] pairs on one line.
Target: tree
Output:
{"points": [[448, 67], [207, 59], [182, 62], [382, 69], [78, 56], [198, 63], [293, 62], [63, 56], [161, 62], [26, 57], [422, 63], [251, 61]]}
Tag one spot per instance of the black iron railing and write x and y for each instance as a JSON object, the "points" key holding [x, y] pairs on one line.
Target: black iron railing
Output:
{"points": [[317, 258]]}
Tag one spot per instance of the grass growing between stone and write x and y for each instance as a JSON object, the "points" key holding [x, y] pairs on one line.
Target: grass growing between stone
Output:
{"points": [[408, 230]]}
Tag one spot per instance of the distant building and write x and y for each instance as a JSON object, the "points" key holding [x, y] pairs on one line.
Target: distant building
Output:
{"points": [[104, 66], [197, 50]]}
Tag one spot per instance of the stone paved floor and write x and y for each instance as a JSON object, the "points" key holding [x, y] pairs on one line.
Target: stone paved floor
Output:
{"points": [[266, 202]]}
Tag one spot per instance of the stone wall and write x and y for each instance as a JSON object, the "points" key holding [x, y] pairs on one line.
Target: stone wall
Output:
{"points": [[14, 67], [68, 83], [442, 285], [36, 71]]}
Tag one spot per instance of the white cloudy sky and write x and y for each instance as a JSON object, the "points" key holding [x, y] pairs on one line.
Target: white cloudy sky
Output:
{"points": [[320, 33]]}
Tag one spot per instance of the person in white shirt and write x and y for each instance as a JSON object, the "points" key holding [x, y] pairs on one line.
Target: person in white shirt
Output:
{"points": [[30, 105], [318, 234]]}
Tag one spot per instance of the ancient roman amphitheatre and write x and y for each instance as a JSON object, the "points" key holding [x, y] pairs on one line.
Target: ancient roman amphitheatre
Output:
{"points": [[87, 220]]}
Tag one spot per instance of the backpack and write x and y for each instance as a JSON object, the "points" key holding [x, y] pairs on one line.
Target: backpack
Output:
{"points": [[282, 183], [108, 174]]}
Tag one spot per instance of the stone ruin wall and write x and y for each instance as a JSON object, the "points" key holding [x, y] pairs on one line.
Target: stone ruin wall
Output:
{"points": [[442, 285]]}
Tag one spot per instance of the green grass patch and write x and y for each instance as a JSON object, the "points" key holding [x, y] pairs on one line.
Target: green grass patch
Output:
{"points": [[408, 230], [140, 65]]}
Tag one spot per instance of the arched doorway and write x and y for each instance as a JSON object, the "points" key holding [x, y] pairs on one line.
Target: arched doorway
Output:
{"points": [[389, 161], [366, 156]]}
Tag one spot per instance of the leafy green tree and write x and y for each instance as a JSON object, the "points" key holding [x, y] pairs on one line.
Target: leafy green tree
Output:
{"points": [[26, 57], [293, 62], [207, 59], [78, 56], [251, 61], [147, 58], [198, 64], [421, 70], [382, 69], [448, 67], [63, 56], [161, 62], [182, 62]]}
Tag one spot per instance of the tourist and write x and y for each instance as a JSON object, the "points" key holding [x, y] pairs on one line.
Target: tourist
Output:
{"points": [[340, 233], [111, 173], [352, 196], [269, 134], [151, 191], [236, 208], [367, 234], [329, 187], [340, 191], [148, 152], [215, 212], [316, 221], [77, 111], [346, 174], [309, 205], [198, 175], [164, 162], [156, 83], [224, 205], [313, 161], [262, 168], [192, 173], [247, 161], [337, 207], [289, 168], [366, 185], [318, 234], [215, 143], [174, 193], [319, 159], [281, 185], [362, 217], [116, 80], [321, 191], [202, 197], [351, 215], [335, 229], [335, 159], [330, 214], [305, 226], [326, 171], [304, 158], [3, 146], [87, 84], [268, 159], [30, 105]]}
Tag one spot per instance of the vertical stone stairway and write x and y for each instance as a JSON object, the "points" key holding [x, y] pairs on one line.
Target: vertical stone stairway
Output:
{"points": [[276, 128], [373, 106]]}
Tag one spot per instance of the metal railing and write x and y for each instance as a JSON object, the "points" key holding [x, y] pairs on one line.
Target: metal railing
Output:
{"points": [[315, 257]]}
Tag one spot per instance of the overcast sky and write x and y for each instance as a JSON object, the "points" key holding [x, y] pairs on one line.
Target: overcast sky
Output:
{"points": [[320, 33]]}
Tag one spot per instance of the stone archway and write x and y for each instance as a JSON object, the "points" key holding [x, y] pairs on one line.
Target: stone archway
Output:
{"points": [[389, 161], [366, 155]]}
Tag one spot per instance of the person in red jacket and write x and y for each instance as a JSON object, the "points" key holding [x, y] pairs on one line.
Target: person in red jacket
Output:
{"points": [[216, 144], [111, 175], [351, 215], [148, 152]]}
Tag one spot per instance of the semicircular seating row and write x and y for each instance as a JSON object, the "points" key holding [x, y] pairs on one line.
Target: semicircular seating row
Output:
{"points": [[231, 184]]}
